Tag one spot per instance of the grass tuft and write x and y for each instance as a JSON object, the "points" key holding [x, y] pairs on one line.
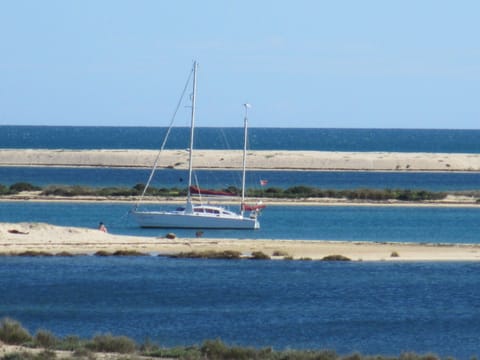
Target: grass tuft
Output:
{"points": [[12, 332], [45, 339], [110, 343]]}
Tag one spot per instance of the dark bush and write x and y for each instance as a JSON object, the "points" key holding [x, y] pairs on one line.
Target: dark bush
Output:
{"points": [[45, 339], [128, 253], [4, 190], [102, 253], [12, 332], [209, 254], [336, 258], [258, 255], [110, 343], [23, 186]]}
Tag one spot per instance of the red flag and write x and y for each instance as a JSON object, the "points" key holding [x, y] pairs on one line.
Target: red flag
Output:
{"points": [[263, 182]]}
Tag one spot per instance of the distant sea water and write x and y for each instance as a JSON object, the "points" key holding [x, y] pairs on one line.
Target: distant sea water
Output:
{"points": [[394, 140]]}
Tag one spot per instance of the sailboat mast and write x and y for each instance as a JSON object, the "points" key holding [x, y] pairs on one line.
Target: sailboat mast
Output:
{"points": [[192, 127], [245, 137]]}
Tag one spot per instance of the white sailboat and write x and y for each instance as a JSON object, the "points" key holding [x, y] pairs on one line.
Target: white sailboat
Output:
{"points": [[203, 216]]}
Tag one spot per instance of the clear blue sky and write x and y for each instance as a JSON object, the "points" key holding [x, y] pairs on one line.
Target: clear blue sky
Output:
{"points": [[384, 64]]}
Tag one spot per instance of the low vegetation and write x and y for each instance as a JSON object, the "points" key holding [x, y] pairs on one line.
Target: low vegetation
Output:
{"points": [[44, 345], [335, 258], [294, 192], [209, 254]]}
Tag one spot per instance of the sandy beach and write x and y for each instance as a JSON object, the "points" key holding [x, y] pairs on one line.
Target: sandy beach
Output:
{"points": [[16, 238], [257, 160]]}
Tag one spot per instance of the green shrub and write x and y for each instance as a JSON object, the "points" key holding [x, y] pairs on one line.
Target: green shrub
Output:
{"points": [[45, 339], [216, 349], [336, 258], [110, 343], [34, 253], [70, 343], [258, 255], [12, 332], [209, 254], [22, 186], [102, 253], [4, 190], [128, 253]]}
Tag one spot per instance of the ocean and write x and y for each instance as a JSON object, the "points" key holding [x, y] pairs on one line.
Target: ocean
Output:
{"points": [[374, 308], [90, 137]]}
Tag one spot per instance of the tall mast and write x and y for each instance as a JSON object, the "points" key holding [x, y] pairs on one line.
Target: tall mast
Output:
{"points": [[192, 127], [245, 137]]}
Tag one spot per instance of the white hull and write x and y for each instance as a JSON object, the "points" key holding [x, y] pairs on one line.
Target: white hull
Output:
{"points": [[199, 216], [180, 219]]}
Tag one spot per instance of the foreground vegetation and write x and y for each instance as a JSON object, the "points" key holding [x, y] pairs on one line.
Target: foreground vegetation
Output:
{"points": [[44, 345], [295, 192]]}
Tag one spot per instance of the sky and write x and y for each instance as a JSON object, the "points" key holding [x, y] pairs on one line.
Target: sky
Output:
{"points": [[319, 64]]}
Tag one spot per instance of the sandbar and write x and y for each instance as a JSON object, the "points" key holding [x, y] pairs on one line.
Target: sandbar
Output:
{"points": [[16, 238], [232, 159]]}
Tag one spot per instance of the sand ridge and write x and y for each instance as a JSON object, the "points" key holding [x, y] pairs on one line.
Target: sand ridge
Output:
{"points": [[232, 159], [20, 237]]}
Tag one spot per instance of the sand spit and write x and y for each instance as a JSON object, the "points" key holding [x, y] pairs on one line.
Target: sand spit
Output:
{"points": [[257, 160], [16, 238]]}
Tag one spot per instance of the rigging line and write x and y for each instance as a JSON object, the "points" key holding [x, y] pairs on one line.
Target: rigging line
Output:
{"points": [[164, 140]]}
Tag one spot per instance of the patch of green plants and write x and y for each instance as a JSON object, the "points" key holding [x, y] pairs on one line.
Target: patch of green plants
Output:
{"points": [[280, 253], [33, 253], [294, 192], [209, 254], [110, 343], [128, 253], [335, 258], [45, 339], [259, 255], [12, 332]]}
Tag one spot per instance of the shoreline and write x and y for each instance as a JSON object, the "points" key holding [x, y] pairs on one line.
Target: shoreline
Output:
{"points": [[16, 238], [257, 160]]}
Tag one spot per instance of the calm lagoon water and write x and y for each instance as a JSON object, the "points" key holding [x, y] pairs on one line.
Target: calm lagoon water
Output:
{"points": [[373, 308], [351, 223], [218, 179]]}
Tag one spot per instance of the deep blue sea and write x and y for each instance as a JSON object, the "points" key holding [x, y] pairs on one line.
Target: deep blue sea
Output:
{"points": [[373, 308], [368, 307], [401, 140]]}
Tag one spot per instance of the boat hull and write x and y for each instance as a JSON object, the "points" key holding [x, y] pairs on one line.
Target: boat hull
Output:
{"points": [[164, 219]]}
